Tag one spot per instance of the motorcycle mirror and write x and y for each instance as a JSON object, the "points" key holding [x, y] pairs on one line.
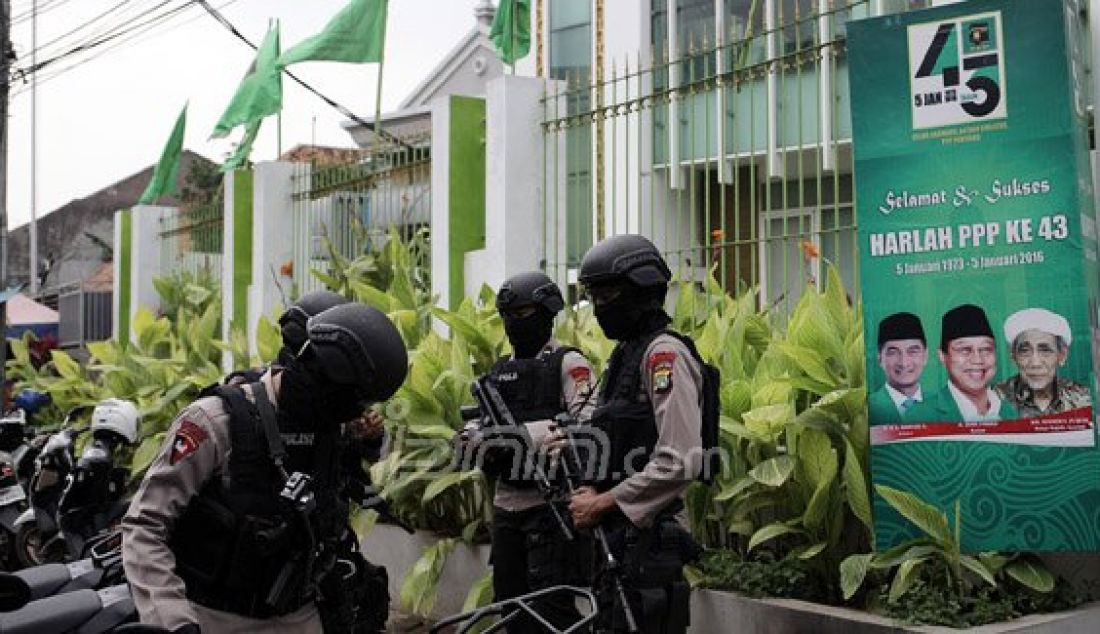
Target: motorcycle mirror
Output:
{"points": [[14, 592]]}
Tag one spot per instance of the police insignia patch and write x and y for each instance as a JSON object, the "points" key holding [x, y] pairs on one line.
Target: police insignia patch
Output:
{"points": [[660, 371], [581, 376], [187, 441]]}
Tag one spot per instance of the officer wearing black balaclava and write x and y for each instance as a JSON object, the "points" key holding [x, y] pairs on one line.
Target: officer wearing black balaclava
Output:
{"points": [[232, 527], [540, 379], [649, 412]]}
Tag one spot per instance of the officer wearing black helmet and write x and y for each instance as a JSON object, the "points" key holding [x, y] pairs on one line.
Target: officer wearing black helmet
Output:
{"points": [[231, 527], [539, 380], [648, 419]]}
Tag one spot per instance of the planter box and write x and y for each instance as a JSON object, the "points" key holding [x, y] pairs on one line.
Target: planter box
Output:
{"points": [[712, 611], [716, 611], [395, 549]]}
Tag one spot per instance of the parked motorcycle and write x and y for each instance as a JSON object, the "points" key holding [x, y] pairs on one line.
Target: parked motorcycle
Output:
{"points": [[19, 446], [72, 501], [83, 597]]}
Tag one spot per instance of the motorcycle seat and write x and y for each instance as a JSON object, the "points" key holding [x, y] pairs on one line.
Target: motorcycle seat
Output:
{"points": [[55, 578], [80, 612]]}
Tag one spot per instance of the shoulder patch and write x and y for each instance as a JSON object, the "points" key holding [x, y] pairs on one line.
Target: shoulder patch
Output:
{"points": [[580, 375], [188, 438], [660, 370]]}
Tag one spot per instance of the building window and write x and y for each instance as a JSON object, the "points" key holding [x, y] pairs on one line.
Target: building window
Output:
{"points": [[797, 24], [696, 38], [745, 32], [571, 60]]}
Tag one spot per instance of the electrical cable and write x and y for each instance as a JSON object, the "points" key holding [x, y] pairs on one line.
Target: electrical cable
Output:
{"points": [[30, 70], [85, 24], [133, 38]]}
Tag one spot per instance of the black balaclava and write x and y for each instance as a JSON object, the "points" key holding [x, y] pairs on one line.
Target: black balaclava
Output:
{"points": [[529, 334], [305, 396], [637, 311]]}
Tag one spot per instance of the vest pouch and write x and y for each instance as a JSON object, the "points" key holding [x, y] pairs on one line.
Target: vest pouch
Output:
{"points": [[553, 560], [630, 435], [203, 541], [262, 546]]}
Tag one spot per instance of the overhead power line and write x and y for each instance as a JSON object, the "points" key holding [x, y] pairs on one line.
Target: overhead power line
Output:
{"points": [[25, 72], [133, 38]]}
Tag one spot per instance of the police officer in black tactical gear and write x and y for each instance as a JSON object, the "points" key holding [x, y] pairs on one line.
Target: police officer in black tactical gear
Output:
{"points": [[239, 518], [648, 424], [539, 380]]}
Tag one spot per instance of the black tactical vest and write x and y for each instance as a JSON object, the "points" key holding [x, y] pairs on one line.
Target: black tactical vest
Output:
{"points": [[531, 387], [232, 542], [624, 415]]}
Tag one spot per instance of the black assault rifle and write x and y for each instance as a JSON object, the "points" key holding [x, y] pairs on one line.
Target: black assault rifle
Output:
{"points": [[492, 406], [495, 411], [572, 469]]}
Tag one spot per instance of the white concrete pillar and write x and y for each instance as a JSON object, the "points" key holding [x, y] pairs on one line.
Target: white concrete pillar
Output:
{"points": [[229, 183], [118, 294], [145, 257], [513, 182], [441, 164], [272, 246]]}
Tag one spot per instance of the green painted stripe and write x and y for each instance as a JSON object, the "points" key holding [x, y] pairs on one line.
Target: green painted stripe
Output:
{"points": [[125, 259], [242, 248], [466, 194]]}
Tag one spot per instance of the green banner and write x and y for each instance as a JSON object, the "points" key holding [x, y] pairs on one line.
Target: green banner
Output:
{"points": [[978, 254]]}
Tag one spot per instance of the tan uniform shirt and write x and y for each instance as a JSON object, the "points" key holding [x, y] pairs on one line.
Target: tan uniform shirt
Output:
{"points": [[196, 449], [577, 381], [674, 383]]}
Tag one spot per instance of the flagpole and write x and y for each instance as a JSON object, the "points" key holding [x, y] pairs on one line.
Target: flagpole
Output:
{"points": [[278, 115], [378, 92]]}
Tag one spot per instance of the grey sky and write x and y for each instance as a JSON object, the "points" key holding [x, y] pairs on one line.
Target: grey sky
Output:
{"points": [[110, 117]]}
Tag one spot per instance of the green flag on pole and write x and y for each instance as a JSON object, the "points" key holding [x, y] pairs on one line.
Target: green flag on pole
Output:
{"points": [[261, 91], [244, 147], [163, 182], [355, 35], [511, 30]]}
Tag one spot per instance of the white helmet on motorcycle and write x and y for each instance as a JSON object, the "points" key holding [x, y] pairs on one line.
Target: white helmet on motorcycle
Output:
{"points": [[117, 415]]}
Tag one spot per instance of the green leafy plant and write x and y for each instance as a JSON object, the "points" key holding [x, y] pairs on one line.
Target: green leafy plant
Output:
{"points": [[162, 370]]}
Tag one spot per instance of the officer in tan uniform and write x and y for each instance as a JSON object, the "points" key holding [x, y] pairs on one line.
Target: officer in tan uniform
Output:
{"points": [[232, 528], [648, 419], [538, 381]]}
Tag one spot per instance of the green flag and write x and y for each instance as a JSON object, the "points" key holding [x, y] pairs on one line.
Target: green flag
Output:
{"points": [[357, 35], [163, 182], [244, 148], [261, 91], [511, 30]]}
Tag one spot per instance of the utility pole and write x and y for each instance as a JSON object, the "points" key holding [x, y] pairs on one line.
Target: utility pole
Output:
{"points": [[5, 79], [33, 241]]}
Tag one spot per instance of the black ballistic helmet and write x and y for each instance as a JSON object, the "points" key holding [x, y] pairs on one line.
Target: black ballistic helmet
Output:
{"points": [[628, 257], [527, 289], [358, 346], [292, 323]]}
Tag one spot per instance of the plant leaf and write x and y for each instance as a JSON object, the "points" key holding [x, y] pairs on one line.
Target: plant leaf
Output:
{"points": [[773, 472], [855, 487], [903, 580], [771, 531], [481, 593], [1031, 573], [853, 570], [978, 568], [927, 517], [811, 551]]}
